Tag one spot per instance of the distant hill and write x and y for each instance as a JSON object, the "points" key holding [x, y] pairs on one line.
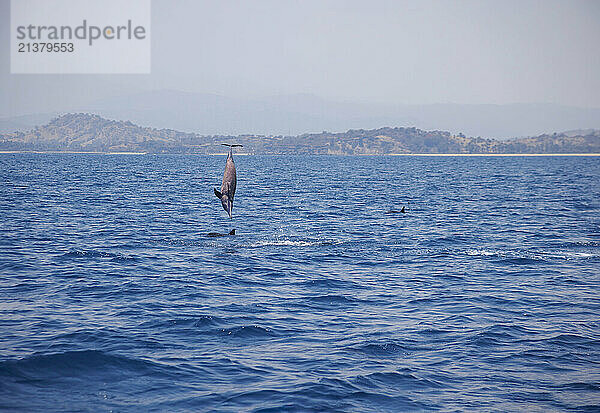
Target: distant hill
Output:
{"points": [[293, 114], [92, 133]]}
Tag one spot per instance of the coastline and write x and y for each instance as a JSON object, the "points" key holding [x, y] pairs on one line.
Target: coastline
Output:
{"points": [[78, 152], [250, 154]]}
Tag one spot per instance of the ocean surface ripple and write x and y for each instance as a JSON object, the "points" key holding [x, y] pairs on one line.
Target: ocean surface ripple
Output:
{"points": [[484, 296]]}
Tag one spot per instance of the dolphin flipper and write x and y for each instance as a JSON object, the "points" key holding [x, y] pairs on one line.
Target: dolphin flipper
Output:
{"points": [[217, 193]]}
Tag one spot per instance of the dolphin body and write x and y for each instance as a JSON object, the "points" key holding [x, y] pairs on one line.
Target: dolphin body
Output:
{"points": [[217, 234], [229, 182], [393, 211]]}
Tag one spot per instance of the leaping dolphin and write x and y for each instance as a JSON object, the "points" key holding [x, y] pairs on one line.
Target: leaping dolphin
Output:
{"points": [[229, 182]]}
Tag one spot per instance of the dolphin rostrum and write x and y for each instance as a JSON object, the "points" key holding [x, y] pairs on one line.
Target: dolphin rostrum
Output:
{"points": [[229, 182]]}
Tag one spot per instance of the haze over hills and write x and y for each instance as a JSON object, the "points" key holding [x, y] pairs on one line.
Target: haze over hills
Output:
{"points": [[92, 133], [209, 114]]}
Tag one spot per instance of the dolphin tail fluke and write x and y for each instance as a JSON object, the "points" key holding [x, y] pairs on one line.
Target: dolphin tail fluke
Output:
{"points": [[234, 145], [217, 193]]}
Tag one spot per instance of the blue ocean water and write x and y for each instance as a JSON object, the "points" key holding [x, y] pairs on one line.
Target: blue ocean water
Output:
{"points": [[484, 296]]}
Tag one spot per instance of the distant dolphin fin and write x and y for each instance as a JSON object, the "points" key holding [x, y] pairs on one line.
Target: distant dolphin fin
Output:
{"points": [[232, 232], [217, 193], [402, 210]]}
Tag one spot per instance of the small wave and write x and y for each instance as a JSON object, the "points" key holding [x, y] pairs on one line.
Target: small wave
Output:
{"points": [[329, 394], [184, 322], [403, 379], [568, 255], [520, 256], [76, 363], [331, 300], [421, 301], [571, 340], [512, 330], [305, 399], [249, 331], [514, 258], [328, 283], [95, 254], [201, 321], [519, 260], [581, 243], [448, 240], [381, 349], [14, 185], [455, 319], [481, 252], [488, 339], [16, 266], [286, 242], [579, 386]]}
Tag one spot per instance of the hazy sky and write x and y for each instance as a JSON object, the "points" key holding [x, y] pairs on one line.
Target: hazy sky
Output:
{"points": [[364, 51]]}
